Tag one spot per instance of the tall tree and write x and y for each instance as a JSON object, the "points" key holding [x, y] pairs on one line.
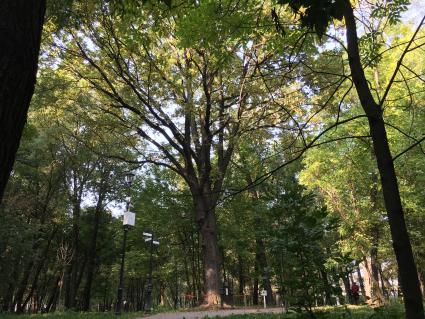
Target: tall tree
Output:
{"points": [[190, 102]]}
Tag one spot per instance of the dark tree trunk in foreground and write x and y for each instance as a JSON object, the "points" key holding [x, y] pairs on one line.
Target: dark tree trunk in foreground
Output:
{"points": [[21, 22], [400, 237]]}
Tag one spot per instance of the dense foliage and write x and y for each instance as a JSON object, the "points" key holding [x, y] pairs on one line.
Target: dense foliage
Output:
{"points": [[254, 161]]}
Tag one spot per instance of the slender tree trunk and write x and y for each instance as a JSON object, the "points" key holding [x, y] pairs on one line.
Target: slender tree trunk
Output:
{"points": [[260, 256], [347, 288], [53, 294], [21, 23], [72, 271], [326, 285], [260, 251], [8, 298], [91, 262], [241, 275], [40, 265], [361, 281], [400, 236], [376, 292], [256, 284], [23, 286]]}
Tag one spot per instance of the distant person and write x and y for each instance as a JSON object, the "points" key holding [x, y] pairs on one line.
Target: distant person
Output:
{"points": [[355, 293]]}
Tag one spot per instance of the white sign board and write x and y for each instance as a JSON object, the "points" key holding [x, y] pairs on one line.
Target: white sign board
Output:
{"points": [[129, 219], [264, 294]]}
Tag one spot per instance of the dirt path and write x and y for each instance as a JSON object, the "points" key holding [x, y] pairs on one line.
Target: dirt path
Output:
{"points": [[211, 313]]}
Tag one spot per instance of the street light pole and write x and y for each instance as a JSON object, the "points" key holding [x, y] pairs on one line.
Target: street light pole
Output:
{"points": [[128, 220], [121, 280], [149, 237]]}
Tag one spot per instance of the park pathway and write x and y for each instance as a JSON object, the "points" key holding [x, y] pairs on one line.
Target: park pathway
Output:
{"points": [[211, 313]]}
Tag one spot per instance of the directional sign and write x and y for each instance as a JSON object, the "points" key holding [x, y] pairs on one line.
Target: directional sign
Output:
{"points": [[147, 234], [155, 242], [264, 293]]}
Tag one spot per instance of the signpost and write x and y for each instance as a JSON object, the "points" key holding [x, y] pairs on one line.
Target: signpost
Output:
{"points": [[149, 238], [264, 294]]}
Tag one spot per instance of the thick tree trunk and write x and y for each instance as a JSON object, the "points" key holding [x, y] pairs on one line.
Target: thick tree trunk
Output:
{"points": [[211, 256], [400, 237], [21, 23], [207, 223]]}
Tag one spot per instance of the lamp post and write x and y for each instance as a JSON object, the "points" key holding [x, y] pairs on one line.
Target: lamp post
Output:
{"points": [[128, 220], [149, 238]]}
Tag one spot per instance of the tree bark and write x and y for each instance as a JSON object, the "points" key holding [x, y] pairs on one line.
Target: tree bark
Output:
{"points": [[400, 236], [21, 23]]}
